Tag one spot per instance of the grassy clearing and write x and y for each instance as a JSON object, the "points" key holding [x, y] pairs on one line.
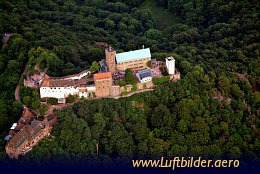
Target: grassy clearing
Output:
{"points": [[163, 17]]}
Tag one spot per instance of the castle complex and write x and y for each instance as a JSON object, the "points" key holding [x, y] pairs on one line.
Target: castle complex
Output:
{"points": [[25, 134], [103, 83]]}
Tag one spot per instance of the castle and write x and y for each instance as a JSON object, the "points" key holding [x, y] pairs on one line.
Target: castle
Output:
{"points": [[103, 83], [25, 134]]}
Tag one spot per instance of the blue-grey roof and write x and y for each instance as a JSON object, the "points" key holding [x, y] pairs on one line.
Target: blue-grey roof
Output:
{"points": [[7, 138], [35, 123], [144, 73], [102, 62], [132, 55], [103, 67]]}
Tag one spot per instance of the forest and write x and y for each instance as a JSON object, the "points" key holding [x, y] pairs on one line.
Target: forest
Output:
{"points": [[213, 111]]}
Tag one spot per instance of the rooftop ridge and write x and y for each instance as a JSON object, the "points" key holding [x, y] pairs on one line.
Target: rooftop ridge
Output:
{"points": [[132, 55], [68, 76]]}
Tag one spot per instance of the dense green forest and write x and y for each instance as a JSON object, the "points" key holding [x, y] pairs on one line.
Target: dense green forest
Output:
{"points": [[212, 111]]}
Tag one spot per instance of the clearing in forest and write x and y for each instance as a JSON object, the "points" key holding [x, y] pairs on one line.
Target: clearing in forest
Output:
{"points": [[163, 17]]}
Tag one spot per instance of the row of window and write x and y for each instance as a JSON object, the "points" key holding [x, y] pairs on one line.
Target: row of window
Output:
{"points": [[103, 87], [137, 67], [50, 91], [134, 66], [57, 88]]}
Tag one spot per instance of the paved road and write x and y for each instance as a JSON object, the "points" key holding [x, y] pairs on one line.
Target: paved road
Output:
{"points": [[17, 89]]}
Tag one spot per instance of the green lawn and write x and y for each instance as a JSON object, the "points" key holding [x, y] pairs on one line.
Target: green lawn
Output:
{"points": [[163, 17]]}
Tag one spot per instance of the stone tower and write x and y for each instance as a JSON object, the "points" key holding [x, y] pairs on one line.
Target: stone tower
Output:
{"points": [[103, 83], [111, 59]]}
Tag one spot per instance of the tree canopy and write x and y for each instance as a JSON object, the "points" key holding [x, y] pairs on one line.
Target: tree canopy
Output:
{"points": [[212, 111]]}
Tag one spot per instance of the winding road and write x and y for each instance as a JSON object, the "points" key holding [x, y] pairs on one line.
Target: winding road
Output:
{"points": [[17, 89]]}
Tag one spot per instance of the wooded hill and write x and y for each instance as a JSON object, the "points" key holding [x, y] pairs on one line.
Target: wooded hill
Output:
{"points": [[212, 111]]}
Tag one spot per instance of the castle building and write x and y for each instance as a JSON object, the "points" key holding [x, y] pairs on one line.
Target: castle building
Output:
{"points": [[134, 60], [86, 91], [173, 73], [110, 59], [103, 83], [25, 136], [144, 75], [57, 88], [62, 87], [170, 64]]}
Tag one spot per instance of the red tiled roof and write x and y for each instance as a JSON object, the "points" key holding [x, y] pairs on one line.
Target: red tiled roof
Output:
{"points": [[45, 82], [18, 139], [100, 76], [26, 117]]}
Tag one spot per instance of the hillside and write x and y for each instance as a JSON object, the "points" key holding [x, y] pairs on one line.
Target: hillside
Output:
{"points": [[213, 111]]}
